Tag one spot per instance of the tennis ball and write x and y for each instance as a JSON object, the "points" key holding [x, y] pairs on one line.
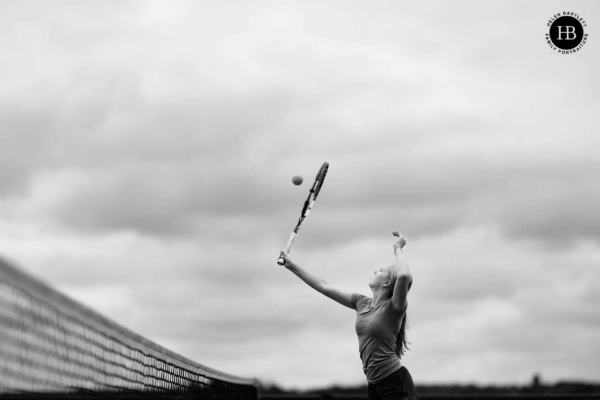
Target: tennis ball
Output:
{"points": [[297, 180]]}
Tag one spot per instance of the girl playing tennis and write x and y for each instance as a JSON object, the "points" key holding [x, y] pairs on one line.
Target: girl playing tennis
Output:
{"points": [[380, 324]]}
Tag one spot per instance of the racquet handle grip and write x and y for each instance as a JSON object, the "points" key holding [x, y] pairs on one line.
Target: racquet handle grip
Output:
{"points": [[281, 260], [290, 243]]}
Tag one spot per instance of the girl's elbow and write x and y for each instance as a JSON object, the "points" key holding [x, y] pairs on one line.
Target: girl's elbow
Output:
{"points": [[406, 279], [321, 287]]}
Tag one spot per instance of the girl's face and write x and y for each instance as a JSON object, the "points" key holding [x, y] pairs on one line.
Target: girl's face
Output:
{"points": [[380, 276]]}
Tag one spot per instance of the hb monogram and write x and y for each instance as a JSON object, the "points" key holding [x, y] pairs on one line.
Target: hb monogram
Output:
{"points": [[566, 34], [569, 32]]}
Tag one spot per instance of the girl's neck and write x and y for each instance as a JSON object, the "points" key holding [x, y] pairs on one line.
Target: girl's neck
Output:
{"points": [[379, 297]]}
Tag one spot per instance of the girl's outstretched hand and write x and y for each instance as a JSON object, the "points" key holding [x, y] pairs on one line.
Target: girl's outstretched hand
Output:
{"points": [[400, 243], [287, 261]]}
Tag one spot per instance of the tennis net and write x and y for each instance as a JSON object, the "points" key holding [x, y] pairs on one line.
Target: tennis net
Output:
{"points": [[52, 347]]}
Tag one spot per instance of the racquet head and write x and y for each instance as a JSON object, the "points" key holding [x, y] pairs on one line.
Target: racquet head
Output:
{"points": [[315, 189], [319, 179]]}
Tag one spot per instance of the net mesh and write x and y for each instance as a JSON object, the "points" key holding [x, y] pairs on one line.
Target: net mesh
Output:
{"points": [[52, 347]]}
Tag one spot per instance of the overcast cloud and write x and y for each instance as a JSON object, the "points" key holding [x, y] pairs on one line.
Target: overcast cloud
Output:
{"points": [[147, 150]]}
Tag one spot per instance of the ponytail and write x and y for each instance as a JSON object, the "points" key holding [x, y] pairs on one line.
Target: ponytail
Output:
{"points": [[401, 342]]}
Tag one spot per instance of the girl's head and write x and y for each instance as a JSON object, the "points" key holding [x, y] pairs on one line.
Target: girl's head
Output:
{"points": [[384, 279]]}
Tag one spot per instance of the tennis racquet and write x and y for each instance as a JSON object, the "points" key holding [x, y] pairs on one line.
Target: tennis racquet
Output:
{"points": [[308, 205]]}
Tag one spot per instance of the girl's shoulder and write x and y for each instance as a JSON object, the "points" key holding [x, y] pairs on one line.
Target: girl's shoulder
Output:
{"points": [[359, 301]]}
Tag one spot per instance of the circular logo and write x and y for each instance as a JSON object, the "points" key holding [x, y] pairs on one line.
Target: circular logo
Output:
{"points": [[566, 34]]}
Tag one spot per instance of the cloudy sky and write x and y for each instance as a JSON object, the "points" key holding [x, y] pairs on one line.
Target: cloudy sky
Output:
{"points": [[147, 150]]}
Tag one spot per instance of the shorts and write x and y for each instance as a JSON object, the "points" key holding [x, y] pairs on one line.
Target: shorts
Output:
{"points": [[398, 386]]}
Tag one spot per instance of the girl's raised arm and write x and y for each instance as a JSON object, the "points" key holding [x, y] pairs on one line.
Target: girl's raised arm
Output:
{"points": [[341, 296]]}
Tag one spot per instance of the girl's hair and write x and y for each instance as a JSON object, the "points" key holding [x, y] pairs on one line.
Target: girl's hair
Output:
{"points": [[401, 342]]}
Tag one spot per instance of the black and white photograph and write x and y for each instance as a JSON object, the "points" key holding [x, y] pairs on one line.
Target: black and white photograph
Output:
{"points": [[336, 199]]}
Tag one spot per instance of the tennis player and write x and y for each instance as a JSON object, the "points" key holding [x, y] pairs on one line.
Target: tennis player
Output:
{"points": [[380, 324]]}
